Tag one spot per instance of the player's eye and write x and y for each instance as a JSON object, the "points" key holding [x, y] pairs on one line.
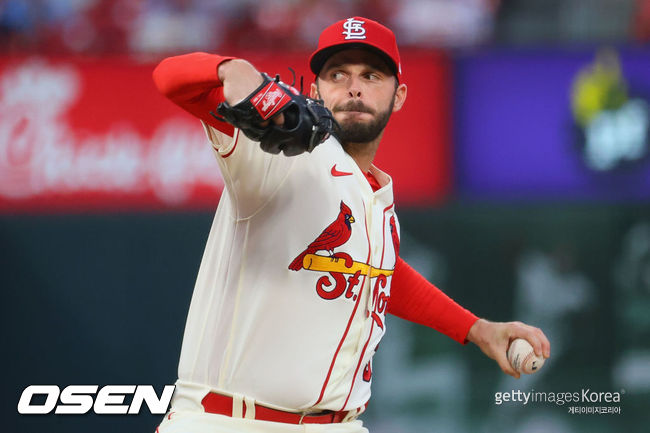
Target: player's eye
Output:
{"points": [[337, 75]]}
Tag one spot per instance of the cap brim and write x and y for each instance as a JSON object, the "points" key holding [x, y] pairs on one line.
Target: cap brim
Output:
{"points": [[320, 57]]}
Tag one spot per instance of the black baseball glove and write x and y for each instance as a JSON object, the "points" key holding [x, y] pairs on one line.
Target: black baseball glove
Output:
{"points": [[307, 122]]}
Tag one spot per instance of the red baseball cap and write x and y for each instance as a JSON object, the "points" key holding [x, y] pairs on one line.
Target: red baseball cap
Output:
{"points": [[357, 32]]}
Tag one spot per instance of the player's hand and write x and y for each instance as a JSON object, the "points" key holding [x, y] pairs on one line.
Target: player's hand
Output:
{"points": [[493, 338], [240, 79], [305, 123]]}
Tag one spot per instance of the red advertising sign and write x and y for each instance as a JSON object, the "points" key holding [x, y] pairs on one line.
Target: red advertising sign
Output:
{"points": [[80, 135]]}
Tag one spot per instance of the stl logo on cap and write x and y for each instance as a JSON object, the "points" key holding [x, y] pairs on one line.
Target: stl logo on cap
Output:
{"points": [[354, 29]]}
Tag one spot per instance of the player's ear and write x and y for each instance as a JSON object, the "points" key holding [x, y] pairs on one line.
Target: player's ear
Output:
{"points": [[400, 97], [313, 91]]}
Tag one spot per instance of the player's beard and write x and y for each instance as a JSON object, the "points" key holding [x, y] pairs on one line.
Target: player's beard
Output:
{"points": [[354, 131]]}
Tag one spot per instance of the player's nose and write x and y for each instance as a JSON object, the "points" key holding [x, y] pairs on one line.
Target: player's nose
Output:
{"points": [[354, 87]]}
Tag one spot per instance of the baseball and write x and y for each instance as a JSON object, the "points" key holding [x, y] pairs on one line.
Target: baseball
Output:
{"points": [[522, 357]]}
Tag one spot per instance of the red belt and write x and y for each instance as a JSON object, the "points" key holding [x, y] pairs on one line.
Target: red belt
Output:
{"points": [[222, 405]]}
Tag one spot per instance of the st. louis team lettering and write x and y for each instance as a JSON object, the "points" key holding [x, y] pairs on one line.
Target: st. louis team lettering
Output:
{"points": [[353, 29], [379, 300]]}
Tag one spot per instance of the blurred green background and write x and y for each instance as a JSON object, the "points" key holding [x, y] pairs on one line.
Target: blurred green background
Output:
{"points": [[102, 299]]}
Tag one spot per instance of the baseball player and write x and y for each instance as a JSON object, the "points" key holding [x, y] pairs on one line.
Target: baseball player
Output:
{"points": [[302, 262]]}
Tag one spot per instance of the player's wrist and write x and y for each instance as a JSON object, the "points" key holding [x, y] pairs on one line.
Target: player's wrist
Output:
{"points": [[239, 78], [476, 333]]}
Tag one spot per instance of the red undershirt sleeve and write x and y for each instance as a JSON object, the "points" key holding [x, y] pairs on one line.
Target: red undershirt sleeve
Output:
{"points": [[415, 299], [192, 82]]}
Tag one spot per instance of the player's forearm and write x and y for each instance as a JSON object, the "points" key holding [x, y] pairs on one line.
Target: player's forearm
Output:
{"points": [[188, 76], [192, 82], [415, 299]]}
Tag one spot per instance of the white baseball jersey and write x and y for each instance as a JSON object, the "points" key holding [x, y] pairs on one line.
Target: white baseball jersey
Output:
{"points": [[297, 340]]}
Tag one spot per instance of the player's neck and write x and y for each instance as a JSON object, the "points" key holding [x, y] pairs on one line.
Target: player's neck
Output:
{"points": [[363, 153]]}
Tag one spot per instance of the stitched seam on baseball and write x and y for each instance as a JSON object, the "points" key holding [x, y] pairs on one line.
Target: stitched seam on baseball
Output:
{"points": [[524, 364]]}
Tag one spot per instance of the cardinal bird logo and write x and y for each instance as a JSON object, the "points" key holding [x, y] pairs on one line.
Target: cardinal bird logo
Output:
{"points": [[394, 235], [335, 235]]}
